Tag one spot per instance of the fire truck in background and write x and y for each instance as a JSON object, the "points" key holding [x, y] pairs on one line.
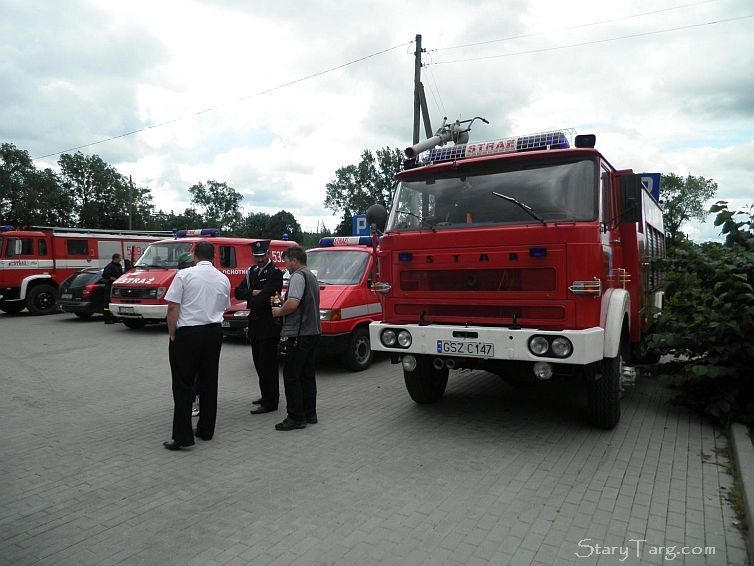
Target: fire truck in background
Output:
{"points": [[35, 261], [527, 256], [138, 296]]}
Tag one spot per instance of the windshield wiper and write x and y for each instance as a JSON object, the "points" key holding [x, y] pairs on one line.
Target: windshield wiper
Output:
{"points": [[419, 218], [525, 208]]}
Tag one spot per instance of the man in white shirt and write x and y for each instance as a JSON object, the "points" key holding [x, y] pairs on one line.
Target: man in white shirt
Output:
{"points": [[196, 299]]}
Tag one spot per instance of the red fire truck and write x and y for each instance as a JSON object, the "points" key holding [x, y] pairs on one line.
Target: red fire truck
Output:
{"points": [[137, 296], [34, 261], [528, 256]]}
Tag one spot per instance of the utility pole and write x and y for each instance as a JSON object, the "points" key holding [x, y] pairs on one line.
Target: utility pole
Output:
{"points": [[130, 202], [420, 100]]}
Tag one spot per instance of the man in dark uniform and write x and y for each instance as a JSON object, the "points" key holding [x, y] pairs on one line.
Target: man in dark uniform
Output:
{"points": [[112, 271], [262, 282]]}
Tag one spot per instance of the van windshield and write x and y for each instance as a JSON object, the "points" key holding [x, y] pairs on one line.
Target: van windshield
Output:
{"points": [[337, 267], [560, 191], [163, 255]]}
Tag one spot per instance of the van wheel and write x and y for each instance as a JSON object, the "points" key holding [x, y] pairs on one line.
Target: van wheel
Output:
{"points": [[426, 384], [359, 353], [603, 389], [41, 300], [12, 308], [134, 322]]}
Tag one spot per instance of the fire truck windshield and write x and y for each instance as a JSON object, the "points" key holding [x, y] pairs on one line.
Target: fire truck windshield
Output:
{"points": [[163, 255], [463, 197], [338, 267]]}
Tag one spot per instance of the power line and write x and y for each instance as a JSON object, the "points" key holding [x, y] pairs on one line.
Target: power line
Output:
{"points": [[442, 104], [573, 27], [558, 47], [210, 109]]}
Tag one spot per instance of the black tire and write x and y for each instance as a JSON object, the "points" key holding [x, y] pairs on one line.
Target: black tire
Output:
{"points": [[12, 308], [641, 355], [359, 355], [603, 388], [83, 314], [426, 384], [41, 299], [134, 323]]}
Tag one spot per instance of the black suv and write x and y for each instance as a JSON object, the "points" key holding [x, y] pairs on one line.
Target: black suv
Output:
{"points": [[83, 293]]}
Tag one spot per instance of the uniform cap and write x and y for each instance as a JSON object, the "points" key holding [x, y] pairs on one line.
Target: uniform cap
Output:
{"points": [[260, 247], [185, 257]]}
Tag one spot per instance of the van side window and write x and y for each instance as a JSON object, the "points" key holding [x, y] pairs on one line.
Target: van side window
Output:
{"points": [[42, 244], [19, 246], [227, 256], [77, 247]]}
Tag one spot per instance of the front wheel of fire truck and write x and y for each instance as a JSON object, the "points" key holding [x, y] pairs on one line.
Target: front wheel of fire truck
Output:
{"points": [[359, 353], [426, 384], [134, 323], [41, 300], [604, 392], [12, 308]]}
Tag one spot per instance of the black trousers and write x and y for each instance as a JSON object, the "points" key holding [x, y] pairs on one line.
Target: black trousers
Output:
{"points": [[299, 379], [264, 353], [195, 354]]}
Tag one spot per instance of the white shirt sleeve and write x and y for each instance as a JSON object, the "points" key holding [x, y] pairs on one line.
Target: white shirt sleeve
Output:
{"points": [[175, 292]]}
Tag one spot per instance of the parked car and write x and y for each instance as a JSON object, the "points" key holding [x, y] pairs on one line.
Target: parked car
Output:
{"points": [[236, 319], [83, 293]]}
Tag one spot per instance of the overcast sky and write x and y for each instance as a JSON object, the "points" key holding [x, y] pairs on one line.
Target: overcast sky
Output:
{"points": [[76, 72]]}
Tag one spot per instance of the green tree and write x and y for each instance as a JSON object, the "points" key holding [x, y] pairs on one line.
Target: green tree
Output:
{"points": [[29, 196], [357, 187], [220, 204], [255, 225], [684, 200], [284, 222], [189, 219], [102, 197]]}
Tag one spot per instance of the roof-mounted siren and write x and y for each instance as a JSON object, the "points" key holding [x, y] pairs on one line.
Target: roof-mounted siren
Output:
{"points": [[585, 140], [457, 132]]}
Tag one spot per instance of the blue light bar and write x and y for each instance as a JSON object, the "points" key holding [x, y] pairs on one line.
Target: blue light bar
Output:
{"points": [[345, 241], [538, 252], [6, 228], [211, 232]]}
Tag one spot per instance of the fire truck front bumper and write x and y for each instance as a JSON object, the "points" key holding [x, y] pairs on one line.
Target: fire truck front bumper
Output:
{"points": [[149, 312], [573, 347]]}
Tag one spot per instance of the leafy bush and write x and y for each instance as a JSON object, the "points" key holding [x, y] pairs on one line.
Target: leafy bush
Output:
{"points": [[707, 326]]}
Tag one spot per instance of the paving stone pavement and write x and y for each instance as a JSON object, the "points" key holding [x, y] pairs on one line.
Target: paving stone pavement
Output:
{"points": [[490, 475]]}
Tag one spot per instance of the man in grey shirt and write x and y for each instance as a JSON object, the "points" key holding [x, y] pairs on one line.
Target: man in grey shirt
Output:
{"points": [[301, 323]]}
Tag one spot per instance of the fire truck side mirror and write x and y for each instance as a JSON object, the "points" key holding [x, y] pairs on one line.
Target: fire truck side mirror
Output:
{"points": [[377, 215], [630, 199]]}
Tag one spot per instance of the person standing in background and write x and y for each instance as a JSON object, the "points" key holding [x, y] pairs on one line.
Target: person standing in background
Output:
{"points": [[110, 274]]}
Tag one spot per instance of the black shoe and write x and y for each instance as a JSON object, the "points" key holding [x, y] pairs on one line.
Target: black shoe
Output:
{"points": [[262, 410], [289, 424], [257, 401], [175, 445], [202, 436], [311, 420]]}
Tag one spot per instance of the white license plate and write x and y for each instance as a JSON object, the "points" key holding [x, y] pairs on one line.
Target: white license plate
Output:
{"points": [[66, 296], [126, 310], [478, 349], [226, 324]]}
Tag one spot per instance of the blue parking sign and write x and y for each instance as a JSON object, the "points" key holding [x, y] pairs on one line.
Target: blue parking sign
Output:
{"points": [[360, 227], [652, 182]]}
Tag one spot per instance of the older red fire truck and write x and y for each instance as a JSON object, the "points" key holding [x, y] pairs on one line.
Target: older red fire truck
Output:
{"points": [[529, 255], [34, 261], [138, 296]]}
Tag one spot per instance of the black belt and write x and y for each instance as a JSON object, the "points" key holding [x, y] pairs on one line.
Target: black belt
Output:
{"points": [[198, 326]]}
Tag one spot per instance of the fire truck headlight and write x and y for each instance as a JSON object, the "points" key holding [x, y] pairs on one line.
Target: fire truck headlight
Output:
{"points": [[561, 347], [388, 337], [161, 292], [409, 362], [538, 345], [404, 338], [240, 314]]}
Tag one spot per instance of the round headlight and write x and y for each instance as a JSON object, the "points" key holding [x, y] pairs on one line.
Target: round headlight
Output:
{"points": [[409, 362], [538, 345], [388, 337], [404, 338], [561, 347]]}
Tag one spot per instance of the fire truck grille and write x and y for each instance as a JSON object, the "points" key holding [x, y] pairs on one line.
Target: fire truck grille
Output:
{"points": [[526, 279], [483, 313], [129, 292]]}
